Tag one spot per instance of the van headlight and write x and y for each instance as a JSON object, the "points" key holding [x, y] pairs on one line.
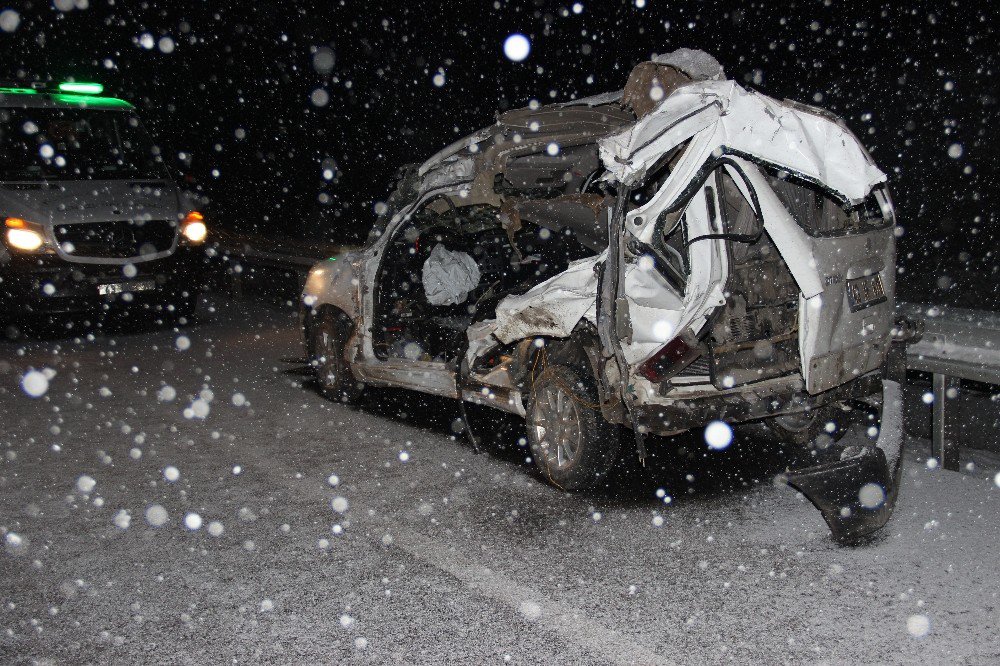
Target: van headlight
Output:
{"points": [[22, 235], [193, 227]]}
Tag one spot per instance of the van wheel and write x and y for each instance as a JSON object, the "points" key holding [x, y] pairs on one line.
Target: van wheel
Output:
{"points": [[571, 443], [333, 375]]}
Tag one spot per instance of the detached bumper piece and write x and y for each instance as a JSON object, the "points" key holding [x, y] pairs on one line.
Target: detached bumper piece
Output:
{"points": [[857, 493]]}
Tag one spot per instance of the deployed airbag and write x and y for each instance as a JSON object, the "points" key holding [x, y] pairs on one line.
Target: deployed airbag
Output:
{"points": [[448, 276]]}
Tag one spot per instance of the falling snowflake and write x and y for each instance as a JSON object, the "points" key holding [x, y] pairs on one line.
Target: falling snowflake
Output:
{"points": [[35, 383], [85, 483], [718, 435], [516, 47]]}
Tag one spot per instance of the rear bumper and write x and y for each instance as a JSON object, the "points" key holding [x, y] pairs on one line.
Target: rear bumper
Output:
{"points": [[857, 493], [47, 285]]}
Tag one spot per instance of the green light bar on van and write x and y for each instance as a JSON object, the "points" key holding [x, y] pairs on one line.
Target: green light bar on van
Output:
{"points": [[81, 88], [18, 91]]}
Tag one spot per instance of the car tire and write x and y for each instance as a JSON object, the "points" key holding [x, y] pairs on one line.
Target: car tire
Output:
{"points": [[328, 335], [572, 444]]}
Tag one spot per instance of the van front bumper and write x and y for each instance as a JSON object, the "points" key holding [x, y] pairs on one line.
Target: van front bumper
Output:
{"points": [[33, 285]]}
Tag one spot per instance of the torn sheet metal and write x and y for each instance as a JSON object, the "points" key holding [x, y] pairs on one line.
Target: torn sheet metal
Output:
{"points": [[456, 147], [449, 276], [745, 121], [552, 308], [857, 493], [555, 307], [654, 310], [694, 63], [448, 173]]}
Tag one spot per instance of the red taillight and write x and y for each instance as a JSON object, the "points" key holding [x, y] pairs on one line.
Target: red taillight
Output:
{"points": [[674, 356], [194, 216], [15, 223]]}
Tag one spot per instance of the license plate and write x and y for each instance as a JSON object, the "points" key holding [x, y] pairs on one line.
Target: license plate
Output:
{"points": [[110, 288], [865, 291]]}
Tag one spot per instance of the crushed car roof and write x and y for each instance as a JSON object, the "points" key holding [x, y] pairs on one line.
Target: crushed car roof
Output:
{"points": [[624, 133]]}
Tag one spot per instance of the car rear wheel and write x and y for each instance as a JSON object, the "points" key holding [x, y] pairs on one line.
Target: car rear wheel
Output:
{"points": [[571, 443], [333, 375]]}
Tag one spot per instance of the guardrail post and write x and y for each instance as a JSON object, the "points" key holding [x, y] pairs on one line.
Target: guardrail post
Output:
{"points": [[946, 447]]}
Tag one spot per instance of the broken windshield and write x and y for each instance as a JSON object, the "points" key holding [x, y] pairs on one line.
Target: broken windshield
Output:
{"points": [[75, 144]]}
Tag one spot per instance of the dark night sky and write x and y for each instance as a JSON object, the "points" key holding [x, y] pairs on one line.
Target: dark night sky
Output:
{"points": [[911, 81]]}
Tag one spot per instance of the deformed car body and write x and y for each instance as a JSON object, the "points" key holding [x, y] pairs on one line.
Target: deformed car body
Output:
{"points": [[682, 253]]}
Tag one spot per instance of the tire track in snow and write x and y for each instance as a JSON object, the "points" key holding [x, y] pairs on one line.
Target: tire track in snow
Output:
{"points": [[570, 624]]}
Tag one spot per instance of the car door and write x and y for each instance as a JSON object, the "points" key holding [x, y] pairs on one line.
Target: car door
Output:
{"points": [[427, 376]]}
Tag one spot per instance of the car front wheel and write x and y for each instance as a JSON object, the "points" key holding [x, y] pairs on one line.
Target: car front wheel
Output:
{"points": [[333, 375], [571, 443]]}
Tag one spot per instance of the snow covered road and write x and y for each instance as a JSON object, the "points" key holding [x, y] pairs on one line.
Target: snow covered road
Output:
{"points": [[181, 497]]}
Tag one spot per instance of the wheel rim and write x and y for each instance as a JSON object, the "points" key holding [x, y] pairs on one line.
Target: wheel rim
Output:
{"points": [[557, 427]]}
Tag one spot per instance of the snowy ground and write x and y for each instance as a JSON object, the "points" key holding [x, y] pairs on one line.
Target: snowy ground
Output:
{"points": [[424, 552]]}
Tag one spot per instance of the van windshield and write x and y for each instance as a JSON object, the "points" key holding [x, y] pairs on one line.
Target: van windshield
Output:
{"points": [[75, 144]]}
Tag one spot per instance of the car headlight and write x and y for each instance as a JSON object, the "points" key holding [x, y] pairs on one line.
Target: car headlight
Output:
{"points": [[22, 235], [193, 227]]}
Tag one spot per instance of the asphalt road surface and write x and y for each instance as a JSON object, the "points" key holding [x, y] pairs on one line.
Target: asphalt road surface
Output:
{"points": [[184, 496]]}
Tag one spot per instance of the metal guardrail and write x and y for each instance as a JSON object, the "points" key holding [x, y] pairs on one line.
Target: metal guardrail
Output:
{"points": [[957, 343]]}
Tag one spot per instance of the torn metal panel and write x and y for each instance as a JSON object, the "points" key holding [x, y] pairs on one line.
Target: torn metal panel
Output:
{"points": [[552, 308], [746, 122], [458, 146], [857, 493], [452, 171], [654, 310]]}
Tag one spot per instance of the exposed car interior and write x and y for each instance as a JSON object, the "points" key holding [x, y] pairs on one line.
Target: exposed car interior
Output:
{"points": [[408, 325]]}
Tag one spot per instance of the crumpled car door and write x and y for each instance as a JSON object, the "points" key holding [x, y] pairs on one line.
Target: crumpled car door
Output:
{"points": [[649, 311]]}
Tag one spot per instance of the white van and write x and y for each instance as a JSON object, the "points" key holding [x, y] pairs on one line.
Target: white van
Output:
{"points": [[680, 254], [90, 217]]}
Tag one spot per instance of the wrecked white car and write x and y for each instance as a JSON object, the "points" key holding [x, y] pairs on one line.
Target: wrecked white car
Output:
{"points": [[681, 252]]}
